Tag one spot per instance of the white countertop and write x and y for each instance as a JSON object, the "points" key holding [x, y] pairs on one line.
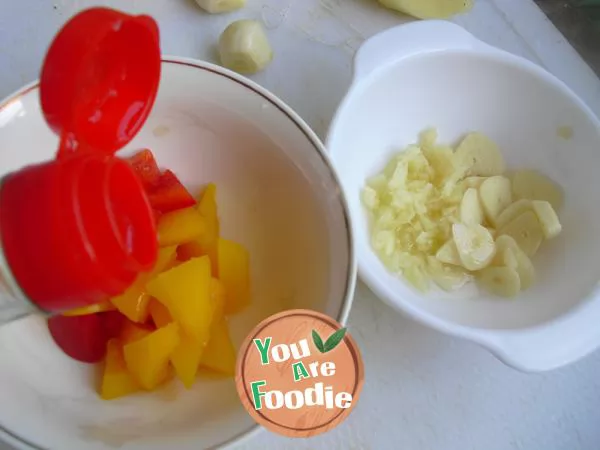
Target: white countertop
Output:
{"points": [[423, 390]]}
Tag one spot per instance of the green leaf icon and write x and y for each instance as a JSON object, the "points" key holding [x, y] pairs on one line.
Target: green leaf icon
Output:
{"points": [[331, 343], [318, 341], [334, 340]]}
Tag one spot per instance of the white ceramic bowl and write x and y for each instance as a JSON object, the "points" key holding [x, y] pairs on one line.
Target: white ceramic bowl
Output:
{"points": [[277, 194], [435, 74]]}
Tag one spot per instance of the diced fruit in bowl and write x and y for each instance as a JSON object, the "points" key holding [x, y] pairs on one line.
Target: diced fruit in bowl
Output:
{"points": [[132, 332], [451, 216], [133, 303], [159, 313], [169, 194], [144, 165], [219, 354], [181, 226], [84, 337], [185, 291], [206, 243], [116, 379], [171, 320], [234, 274], [147, 359]]}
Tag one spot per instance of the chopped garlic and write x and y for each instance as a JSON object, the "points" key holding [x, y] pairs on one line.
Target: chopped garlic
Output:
{"points": [[412, 205]]}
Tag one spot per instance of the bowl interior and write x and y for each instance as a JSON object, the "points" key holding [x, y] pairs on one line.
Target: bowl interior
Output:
{"points": [[521, 108], [276, 195]]}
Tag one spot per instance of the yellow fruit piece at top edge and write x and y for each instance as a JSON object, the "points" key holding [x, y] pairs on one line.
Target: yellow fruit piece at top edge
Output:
{"points": [[148, 358], [159, 313], [91, 309], [186, 357], [116, 379], [185, 291], [219, 354], [206, 244], [234, 273], [133, 303], [178, 227]]}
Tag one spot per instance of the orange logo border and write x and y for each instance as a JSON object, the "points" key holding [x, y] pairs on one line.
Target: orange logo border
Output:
{"points": [[242, 383]]}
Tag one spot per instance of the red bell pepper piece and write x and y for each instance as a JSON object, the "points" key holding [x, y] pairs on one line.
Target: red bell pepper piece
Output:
{"points": [[84, 338], [112, 323], [145, 167], [80, 337], [169, 194]]}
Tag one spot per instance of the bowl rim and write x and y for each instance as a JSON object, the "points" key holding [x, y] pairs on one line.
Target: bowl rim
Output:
{"points": [[342, 316]]}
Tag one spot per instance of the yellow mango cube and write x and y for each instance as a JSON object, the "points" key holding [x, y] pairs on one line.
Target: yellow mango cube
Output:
{"points": [[218, 298], [133, 303], [185, 291], [208, 208], [116, 379], [186, 357], [159, 313], [178, 227], [132, 332], [206, 243], [234, 273], [148, 358], [219, 355], [166, 259]]}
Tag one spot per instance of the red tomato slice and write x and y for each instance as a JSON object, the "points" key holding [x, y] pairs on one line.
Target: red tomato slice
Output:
{"points": [[169, 194], [81, 337], [144, 165]]}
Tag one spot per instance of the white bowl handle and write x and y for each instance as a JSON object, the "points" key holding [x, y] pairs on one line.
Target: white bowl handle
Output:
{"points": [[410, 39], [550, 346]]}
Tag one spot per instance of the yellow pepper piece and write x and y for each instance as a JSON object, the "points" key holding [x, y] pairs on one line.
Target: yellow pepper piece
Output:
{"points": [[186, 357], [219, 354], [234, 273], [208, 208], [148, 358], [133, 303], [160, 313], [132, 332], [166, 258], [116, 380], [218, 299], [206, 243], [91, 309], [185, 291], [178, 227]]}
